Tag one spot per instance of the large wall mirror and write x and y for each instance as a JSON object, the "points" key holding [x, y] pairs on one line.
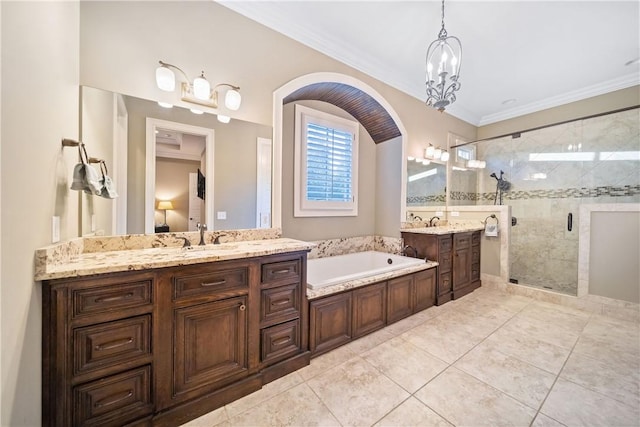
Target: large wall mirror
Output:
{"points": [[219, 173], [426, 184]]}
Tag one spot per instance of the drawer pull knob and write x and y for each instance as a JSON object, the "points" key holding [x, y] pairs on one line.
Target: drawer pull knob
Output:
{"points": [[282, 271], [243, 307], [280, 341], [280, 302], [218, 283], [113, 399], [114, 344], [115, 298]]}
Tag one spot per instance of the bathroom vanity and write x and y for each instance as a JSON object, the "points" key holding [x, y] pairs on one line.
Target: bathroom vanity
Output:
{"points": [[457, 251], [182, 334]]}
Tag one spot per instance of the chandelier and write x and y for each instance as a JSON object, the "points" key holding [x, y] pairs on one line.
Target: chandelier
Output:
{"points": [[443, 69]]}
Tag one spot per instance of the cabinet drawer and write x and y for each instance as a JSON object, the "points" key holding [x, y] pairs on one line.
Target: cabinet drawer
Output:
{"points": [[475, 238], [281, 303], [280, 341], [475, 254], [444, 243], [211, 282], [445, 261], [111, 344], [444, 284], [462, 240], [475, 271], [114, 400], [109, 298], [278, 271]]}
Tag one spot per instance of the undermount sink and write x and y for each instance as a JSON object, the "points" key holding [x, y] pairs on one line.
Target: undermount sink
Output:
{"points": [[210, 247]]}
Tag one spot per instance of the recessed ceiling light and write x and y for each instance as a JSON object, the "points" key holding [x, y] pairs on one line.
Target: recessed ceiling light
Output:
{"points": [[633, 61], [508, 101]]}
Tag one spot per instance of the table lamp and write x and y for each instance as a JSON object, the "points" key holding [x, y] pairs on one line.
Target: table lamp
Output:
{"points": [[165, 205]]}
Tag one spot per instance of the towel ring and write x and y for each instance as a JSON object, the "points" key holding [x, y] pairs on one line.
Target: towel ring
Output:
{"points": [[66, 142], [491, 216]]}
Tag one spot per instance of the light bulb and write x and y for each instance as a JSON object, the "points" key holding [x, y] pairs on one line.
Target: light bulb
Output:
{"points": [[223, 119], [201, 87], [232, 99], [165, 79]]}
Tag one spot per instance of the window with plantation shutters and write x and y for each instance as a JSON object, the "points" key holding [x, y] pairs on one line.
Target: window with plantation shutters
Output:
{"points": [[326, 165]]}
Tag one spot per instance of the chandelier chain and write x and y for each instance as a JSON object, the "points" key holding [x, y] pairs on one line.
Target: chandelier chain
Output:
{"points": [[443, 32]]}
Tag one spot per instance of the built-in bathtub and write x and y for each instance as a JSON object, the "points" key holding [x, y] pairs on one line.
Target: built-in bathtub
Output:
{"points": [[329, 271]]}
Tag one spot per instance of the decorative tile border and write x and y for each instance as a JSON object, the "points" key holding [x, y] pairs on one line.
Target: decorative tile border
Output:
{"points": [[556, 193]]}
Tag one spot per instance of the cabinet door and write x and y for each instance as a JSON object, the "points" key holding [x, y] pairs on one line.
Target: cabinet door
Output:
{"points": [[461, 260], [425, 289], [399, 298], [369, 309], [210, 346], [330, 322]]}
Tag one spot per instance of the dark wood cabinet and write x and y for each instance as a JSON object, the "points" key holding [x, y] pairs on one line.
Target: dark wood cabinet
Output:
{"points": [[400, 301], [458, 257], [330, 322], [336, 319], [161, 347], [369, 309]]}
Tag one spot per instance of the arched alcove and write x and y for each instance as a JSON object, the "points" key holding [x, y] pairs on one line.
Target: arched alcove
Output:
{"points": [[359, 99]]}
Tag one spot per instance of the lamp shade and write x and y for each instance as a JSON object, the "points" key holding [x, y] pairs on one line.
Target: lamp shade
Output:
{"points": [[165, 205], [232, 99], [201, 87], [165, 79]]}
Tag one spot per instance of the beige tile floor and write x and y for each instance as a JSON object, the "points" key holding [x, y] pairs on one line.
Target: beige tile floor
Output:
{"points": [[489, 358]]}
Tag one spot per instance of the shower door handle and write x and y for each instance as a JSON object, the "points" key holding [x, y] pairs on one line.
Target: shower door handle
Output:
{"points": [[569, 221]]}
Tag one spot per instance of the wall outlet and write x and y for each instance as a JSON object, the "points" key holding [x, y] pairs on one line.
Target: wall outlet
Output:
{"points": [[55, 229], [222, 215], [455, 213], [439, 213]]}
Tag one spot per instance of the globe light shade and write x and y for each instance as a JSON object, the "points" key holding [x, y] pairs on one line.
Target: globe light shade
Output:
{"points": [[165, 79], [232, 99], [223, 119], [445, 156], [201, 87]]}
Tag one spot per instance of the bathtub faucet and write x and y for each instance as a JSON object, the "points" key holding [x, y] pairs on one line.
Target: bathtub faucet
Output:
{"points": [[407, 247]]}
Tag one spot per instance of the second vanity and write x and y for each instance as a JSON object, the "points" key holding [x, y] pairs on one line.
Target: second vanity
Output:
{"points": [[174, 334], [457, 251]]}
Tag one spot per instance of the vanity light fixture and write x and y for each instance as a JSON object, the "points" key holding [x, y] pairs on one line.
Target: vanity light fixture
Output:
{"points": [[196, 111], [476, 164], [436, 153], [223, 119], [200, 91], [165, 104], [444, 56]]}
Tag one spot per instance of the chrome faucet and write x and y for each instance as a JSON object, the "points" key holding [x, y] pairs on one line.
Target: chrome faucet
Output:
{"points": [[186, 244], [216, 241], [431, 221], [201, 228]]}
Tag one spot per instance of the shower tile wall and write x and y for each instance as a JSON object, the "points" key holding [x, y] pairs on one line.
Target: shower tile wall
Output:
{"points": [[542, 194]]}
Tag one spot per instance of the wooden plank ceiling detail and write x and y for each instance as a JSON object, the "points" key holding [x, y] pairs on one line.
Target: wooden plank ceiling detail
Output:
{"points": [[371, 115]]}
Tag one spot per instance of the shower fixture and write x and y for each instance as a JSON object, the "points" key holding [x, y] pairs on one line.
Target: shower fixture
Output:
{"points": [[501, 185]]}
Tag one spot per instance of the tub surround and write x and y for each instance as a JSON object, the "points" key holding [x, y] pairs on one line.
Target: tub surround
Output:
{"points": [[347, 245], [365, 281], [141, 252]]}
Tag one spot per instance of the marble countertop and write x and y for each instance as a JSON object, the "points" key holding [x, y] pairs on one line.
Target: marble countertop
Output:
{"points": [[85, 264], [352, 284]]}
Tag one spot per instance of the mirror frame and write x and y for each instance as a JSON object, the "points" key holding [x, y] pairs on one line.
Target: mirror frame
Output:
{"points": [[150, 174]]}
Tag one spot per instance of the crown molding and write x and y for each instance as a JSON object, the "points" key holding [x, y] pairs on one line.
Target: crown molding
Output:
{"points": [[623, 82]]}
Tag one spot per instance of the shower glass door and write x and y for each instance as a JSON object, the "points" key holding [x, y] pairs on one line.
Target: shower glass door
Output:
{"points": [[548, 174]]}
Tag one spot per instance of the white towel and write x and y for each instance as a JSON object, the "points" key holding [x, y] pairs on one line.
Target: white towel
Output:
{"points": [[491, 230]]}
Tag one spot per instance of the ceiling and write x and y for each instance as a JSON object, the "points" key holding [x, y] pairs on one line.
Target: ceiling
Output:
{"points": [[539, 53]]}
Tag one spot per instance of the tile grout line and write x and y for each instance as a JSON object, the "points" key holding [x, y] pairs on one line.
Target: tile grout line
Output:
{"points": [[558, 376]]}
